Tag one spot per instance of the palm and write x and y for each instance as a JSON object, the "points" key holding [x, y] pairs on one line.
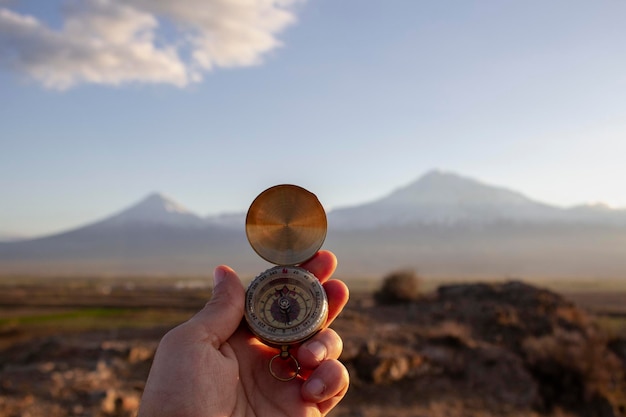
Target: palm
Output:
{"points": [[262, 394]]}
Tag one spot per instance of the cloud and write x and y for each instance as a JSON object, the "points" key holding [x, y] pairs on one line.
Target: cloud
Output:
{"points": [[151, 41]]}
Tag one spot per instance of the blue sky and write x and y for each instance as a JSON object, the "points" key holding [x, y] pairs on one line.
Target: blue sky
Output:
{"points": [[104, 101]]}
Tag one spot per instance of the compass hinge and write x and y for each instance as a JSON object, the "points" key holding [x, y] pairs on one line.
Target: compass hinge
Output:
{"points": [[284, 352]]}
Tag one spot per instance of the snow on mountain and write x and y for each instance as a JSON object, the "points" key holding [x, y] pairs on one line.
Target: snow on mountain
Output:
{"points": [[230, 220], [443, 223], [156, 235], [436, 198], [598, 213], [155, 209], [441, 197]]}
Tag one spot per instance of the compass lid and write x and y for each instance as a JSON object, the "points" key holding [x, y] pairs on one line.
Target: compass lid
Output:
{"points": [[286, 224]]}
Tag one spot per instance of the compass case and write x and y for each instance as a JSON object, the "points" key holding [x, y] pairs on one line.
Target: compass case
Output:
{"points": [[286, 225]]}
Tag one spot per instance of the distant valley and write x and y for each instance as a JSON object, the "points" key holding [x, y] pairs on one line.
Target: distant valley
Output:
{"points": [[443, 224]]}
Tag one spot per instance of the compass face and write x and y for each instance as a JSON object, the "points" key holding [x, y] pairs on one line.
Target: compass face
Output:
{"points": [[285, 305]]}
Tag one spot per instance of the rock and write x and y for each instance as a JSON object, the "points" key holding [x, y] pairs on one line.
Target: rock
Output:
{"points": [[88, 375], [140, 354], [120, 403], [510, 347], [618, 346], [506, 350], [385, 365]]}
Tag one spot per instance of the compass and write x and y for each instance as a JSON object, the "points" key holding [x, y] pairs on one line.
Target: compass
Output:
{"points": [[285, 305]]}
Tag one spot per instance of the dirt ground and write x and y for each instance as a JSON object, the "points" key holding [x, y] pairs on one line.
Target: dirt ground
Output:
{"points": [[84, 348]]}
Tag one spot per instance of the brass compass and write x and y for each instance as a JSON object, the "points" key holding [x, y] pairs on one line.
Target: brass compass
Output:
{"points": [[285, 305]]}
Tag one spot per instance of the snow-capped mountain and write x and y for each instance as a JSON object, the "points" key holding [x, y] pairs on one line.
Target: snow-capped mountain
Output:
{"points": [[155, 209], [443, 224], [447, 199], [156, 235]]}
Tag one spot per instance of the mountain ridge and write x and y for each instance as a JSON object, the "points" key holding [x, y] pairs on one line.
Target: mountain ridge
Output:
{"points": [[444, 224], [438, 196], [155, 208], [448, 198]]}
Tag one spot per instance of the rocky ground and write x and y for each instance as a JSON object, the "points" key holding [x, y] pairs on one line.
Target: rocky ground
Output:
{"points": [[466, 350], [481, 350]]}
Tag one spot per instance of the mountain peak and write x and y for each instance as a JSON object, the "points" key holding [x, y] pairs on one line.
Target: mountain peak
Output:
{"points": [[443, 187], [156, 208], [160, 201], [439, 174], [442, 197]]}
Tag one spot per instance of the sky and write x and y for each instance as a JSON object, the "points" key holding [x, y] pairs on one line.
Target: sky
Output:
{"points": [[103, 102]]}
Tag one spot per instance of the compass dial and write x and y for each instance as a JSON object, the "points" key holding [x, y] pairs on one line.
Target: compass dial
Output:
{"points": [[285, 305]]}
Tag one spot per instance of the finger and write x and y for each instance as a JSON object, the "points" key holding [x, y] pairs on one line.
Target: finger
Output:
{"points": [[324, 345], [338, 294], [322, 265], [326, 406], [221, 316], [326, 385]]}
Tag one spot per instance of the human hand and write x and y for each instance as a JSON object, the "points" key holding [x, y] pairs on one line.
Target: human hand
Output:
{"points": [[213, 366]]}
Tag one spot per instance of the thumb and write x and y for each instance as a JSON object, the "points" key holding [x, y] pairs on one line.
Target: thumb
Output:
{"points": [[222, 315]]}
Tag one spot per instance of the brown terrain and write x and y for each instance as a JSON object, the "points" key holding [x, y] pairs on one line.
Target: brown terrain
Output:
{"points": [[84, 348]]}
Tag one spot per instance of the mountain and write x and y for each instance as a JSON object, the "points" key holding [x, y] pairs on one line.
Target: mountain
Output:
{"points": [[445, 198], [10, 237], [443, 224], [447, 225], [155, 209], [230, 220], [153, 237]]}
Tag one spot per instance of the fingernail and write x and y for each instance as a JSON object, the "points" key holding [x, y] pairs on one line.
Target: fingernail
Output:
{"points": [[318, 350], [315, 387], [218, 276]]}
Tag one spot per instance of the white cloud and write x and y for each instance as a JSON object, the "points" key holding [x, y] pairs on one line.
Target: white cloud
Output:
{"points": [[116, 41]]}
